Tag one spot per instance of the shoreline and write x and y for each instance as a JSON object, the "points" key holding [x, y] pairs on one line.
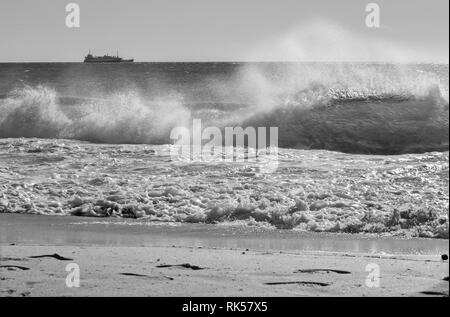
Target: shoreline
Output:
{"points": [[89, 231]]}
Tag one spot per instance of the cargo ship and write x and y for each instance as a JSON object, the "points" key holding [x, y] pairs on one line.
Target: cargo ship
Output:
{"points": [[106, 59]]}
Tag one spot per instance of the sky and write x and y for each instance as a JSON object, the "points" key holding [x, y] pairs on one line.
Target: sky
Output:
{"points": [[225, 30]]}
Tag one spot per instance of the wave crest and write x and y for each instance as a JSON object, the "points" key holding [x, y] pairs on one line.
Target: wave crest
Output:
{"points": [[343, 108], [118, 118], [32, 112]]}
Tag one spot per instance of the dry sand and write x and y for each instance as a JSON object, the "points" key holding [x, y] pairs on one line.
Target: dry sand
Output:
{"points": [[113, 268]]}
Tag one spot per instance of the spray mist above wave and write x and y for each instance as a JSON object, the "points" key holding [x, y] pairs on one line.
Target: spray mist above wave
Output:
{"points": [[309, 84], [323, 40], [118, 118], [331, 62]]}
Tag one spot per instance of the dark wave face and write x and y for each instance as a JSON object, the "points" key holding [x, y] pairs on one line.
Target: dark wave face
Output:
{"points": [[391, 125], [354, 108]]}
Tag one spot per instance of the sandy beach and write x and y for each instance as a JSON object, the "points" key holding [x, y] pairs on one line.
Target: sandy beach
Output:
{"points": [[201, 261]]}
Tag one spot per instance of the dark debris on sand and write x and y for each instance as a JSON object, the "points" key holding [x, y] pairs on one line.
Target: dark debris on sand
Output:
{"points": [[184, 265], [55, 256]]}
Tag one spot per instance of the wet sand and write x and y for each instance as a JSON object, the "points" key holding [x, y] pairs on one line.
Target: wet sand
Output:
{"points": [[131, 258]]}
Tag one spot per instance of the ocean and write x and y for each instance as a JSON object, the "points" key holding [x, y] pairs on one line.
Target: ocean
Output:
{"points": [[352, 107], [363, 147]]}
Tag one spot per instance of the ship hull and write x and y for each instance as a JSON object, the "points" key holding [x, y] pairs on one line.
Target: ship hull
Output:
{"points": [[105, 61]]}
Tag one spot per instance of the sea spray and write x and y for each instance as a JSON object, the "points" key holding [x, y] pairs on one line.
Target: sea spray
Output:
{"points": [[119, 118], [32, 112], [128, 118]]}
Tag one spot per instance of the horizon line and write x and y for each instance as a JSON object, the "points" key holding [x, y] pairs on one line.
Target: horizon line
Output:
{"points": [[446, 62]]}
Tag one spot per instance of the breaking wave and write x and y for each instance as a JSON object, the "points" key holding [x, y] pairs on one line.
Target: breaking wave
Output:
{"points": [[360, 122], [344, 110], [119, 118]]}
